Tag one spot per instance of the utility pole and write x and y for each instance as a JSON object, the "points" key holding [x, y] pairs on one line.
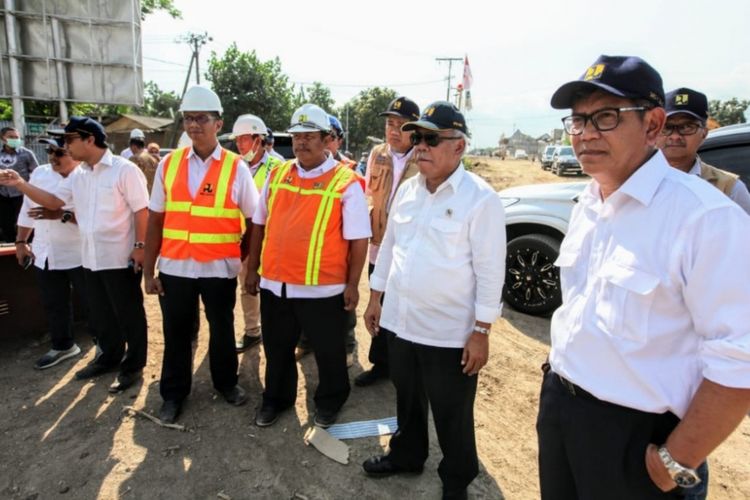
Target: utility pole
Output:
{"points": [[450, 61], [196, 41]]}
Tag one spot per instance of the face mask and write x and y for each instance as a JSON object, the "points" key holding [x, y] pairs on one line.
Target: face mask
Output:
{"points": [[14, 143], [248, 157]]}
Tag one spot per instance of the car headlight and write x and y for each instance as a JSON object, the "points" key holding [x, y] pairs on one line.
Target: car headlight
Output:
{"points": [[509, 201]]}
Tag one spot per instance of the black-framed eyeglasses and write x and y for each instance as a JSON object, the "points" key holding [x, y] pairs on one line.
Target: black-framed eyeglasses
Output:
{"points": [[689, 128], [604, 119], [71, 138], [199, 119], [430, 138]]}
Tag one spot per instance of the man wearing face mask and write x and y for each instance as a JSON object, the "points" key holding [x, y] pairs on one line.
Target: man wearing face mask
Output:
{"points": [[15, 157], [249, 133]]}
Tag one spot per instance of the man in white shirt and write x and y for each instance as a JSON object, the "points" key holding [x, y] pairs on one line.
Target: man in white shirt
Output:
{"points": [[201, 194], [388, 166], [442, 264], [56, 254], [649, 364], [683, 134], [136, 144], [307, 249], [110, 199]]}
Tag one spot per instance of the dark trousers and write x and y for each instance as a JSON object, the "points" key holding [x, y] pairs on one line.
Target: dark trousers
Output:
{"points": [[9, 208], [590, 449], [351, 338], [432, 375], [117, 317], [324, 323], [378, 354], [179, 310], [55, 286]]}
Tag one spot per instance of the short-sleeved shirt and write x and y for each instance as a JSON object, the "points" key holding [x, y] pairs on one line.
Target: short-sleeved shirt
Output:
{"points": [[22, 161]]}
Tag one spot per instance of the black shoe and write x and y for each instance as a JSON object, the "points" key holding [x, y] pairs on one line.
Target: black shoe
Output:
{"points": [[325, 418], [235, 396], [369, 377], [125, 380], [170, 410], [92, 370], [247, 342], [266, 416], [455, 495], [381, 466]]}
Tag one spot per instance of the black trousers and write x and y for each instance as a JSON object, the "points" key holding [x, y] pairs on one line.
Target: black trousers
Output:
{"points": [[57, 298], [432, 375], [324, 323], [179, 311], [378, 354], [591, 449], [117, 317], [9, 208]]}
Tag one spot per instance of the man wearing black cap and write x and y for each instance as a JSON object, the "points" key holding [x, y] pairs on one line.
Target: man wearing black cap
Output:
{"points": [[388, 166], [441, 263], [685, 131], [110, 199], [648, 369]]}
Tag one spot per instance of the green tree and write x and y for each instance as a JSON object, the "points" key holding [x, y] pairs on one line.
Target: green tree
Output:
{"points": [[151, 6], [245, 84], [363, 117], [728, 112], [157, 102], [320, 95]]}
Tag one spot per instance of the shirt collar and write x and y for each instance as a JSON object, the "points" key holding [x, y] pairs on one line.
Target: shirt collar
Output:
{"points": [[403, 156], [644, 182], [106, 159], [263, 159], [321, 169], [696, 168], [215, 154], [453, 181]]}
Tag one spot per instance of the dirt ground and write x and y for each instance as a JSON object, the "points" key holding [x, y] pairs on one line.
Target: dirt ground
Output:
{"points": [[66, 439]]}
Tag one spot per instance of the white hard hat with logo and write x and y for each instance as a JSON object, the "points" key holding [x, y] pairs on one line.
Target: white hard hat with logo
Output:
{"points": [[137, 133], [248, 125], [309, 118], [200, 98]]}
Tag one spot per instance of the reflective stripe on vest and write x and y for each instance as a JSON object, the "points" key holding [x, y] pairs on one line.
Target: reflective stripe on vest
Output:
{"points": [[264, 169]]}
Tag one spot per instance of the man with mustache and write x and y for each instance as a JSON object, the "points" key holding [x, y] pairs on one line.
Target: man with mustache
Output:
{"points": [[683, 134]]}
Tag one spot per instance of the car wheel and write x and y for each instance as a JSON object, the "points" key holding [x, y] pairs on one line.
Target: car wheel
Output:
{"points": [[532, 281], [560, 171]]}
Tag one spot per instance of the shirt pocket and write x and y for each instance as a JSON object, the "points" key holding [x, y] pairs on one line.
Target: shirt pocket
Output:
{"points": [[569, 274], [445, 235], [624, 303], [402, 227]]}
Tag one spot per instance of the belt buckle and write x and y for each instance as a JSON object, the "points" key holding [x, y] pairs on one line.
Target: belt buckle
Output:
{"points": [[568, 385]]}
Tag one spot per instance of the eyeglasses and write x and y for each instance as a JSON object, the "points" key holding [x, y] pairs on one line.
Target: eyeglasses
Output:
{"points": [[688, 128], [57, 152], [431, 139], [199, 119], [603, 120]]}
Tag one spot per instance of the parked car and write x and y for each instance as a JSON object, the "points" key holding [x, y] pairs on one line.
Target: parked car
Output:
{"points": [[547, 157], [728, 148], [564, 160], [520, 154], [536, 220]]}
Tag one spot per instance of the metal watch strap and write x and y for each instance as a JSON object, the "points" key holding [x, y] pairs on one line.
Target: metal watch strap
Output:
{"points": [[482, 330], [685, 477]]}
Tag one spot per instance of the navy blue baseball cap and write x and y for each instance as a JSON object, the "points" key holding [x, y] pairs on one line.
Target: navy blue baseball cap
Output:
{"points": [[88, 126], [689, 101], [623, 76], [402, 107], [440, 115]]}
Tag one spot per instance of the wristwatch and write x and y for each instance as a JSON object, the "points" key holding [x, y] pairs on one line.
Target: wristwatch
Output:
{"points": [[685, 477], [482, 330], [67, 216], [139, 244]]}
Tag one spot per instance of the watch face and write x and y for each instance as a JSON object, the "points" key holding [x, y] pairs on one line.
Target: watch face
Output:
{"points": [[685, 479]]}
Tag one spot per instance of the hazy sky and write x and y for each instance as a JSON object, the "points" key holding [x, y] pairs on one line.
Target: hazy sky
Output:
{"points": [[519, 52]]}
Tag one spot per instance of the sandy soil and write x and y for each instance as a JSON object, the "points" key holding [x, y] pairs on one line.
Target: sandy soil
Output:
{"points": [[66, 439]]}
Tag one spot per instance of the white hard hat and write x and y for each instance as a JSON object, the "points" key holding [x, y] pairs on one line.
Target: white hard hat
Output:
{"points": [[185, 141], [137, 133], [248, 125], [200, 98], [309, 118]]}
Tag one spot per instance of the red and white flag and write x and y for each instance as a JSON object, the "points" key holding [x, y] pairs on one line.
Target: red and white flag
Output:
{"points": [[468, 81]]}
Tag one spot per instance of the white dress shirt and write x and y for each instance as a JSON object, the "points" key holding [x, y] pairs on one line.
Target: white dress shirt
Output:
{"points": [[442, 261], [105, 198], [55, 244], [655, 291], [739, 193], [356, 226], [399, 165], [244, 194], [126, 153]]}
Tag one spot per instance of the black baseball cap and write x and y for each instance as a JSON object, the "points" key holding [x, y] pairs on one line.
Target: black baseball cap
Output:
{"points": [[57, 142], [623, 76], [685, 100], [89, 126], [440, 115], [402, 107]]}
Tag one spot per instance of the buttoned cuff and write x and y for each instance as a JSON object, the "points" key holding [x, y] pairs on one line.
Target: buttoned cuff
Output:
{"points": [[487, 314], [726, 363], [377, 283]]}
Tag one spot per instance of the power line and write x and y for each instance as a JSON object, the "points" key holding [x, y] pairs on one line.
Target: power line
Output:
{"points": [[165, 62], [356, 85]]}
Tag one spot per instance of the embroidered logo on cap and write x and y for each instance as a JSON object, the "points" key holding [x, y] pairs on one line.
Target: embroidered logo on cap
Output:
{"points": [[594, 72], [429, 111], [303, 118], [681, 99], [397, 105]]}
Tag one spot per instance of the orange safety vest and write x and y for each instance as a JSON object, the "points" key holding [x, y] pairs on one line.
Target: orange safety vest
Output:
{"points": [[304, 242], [209, 226]]}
